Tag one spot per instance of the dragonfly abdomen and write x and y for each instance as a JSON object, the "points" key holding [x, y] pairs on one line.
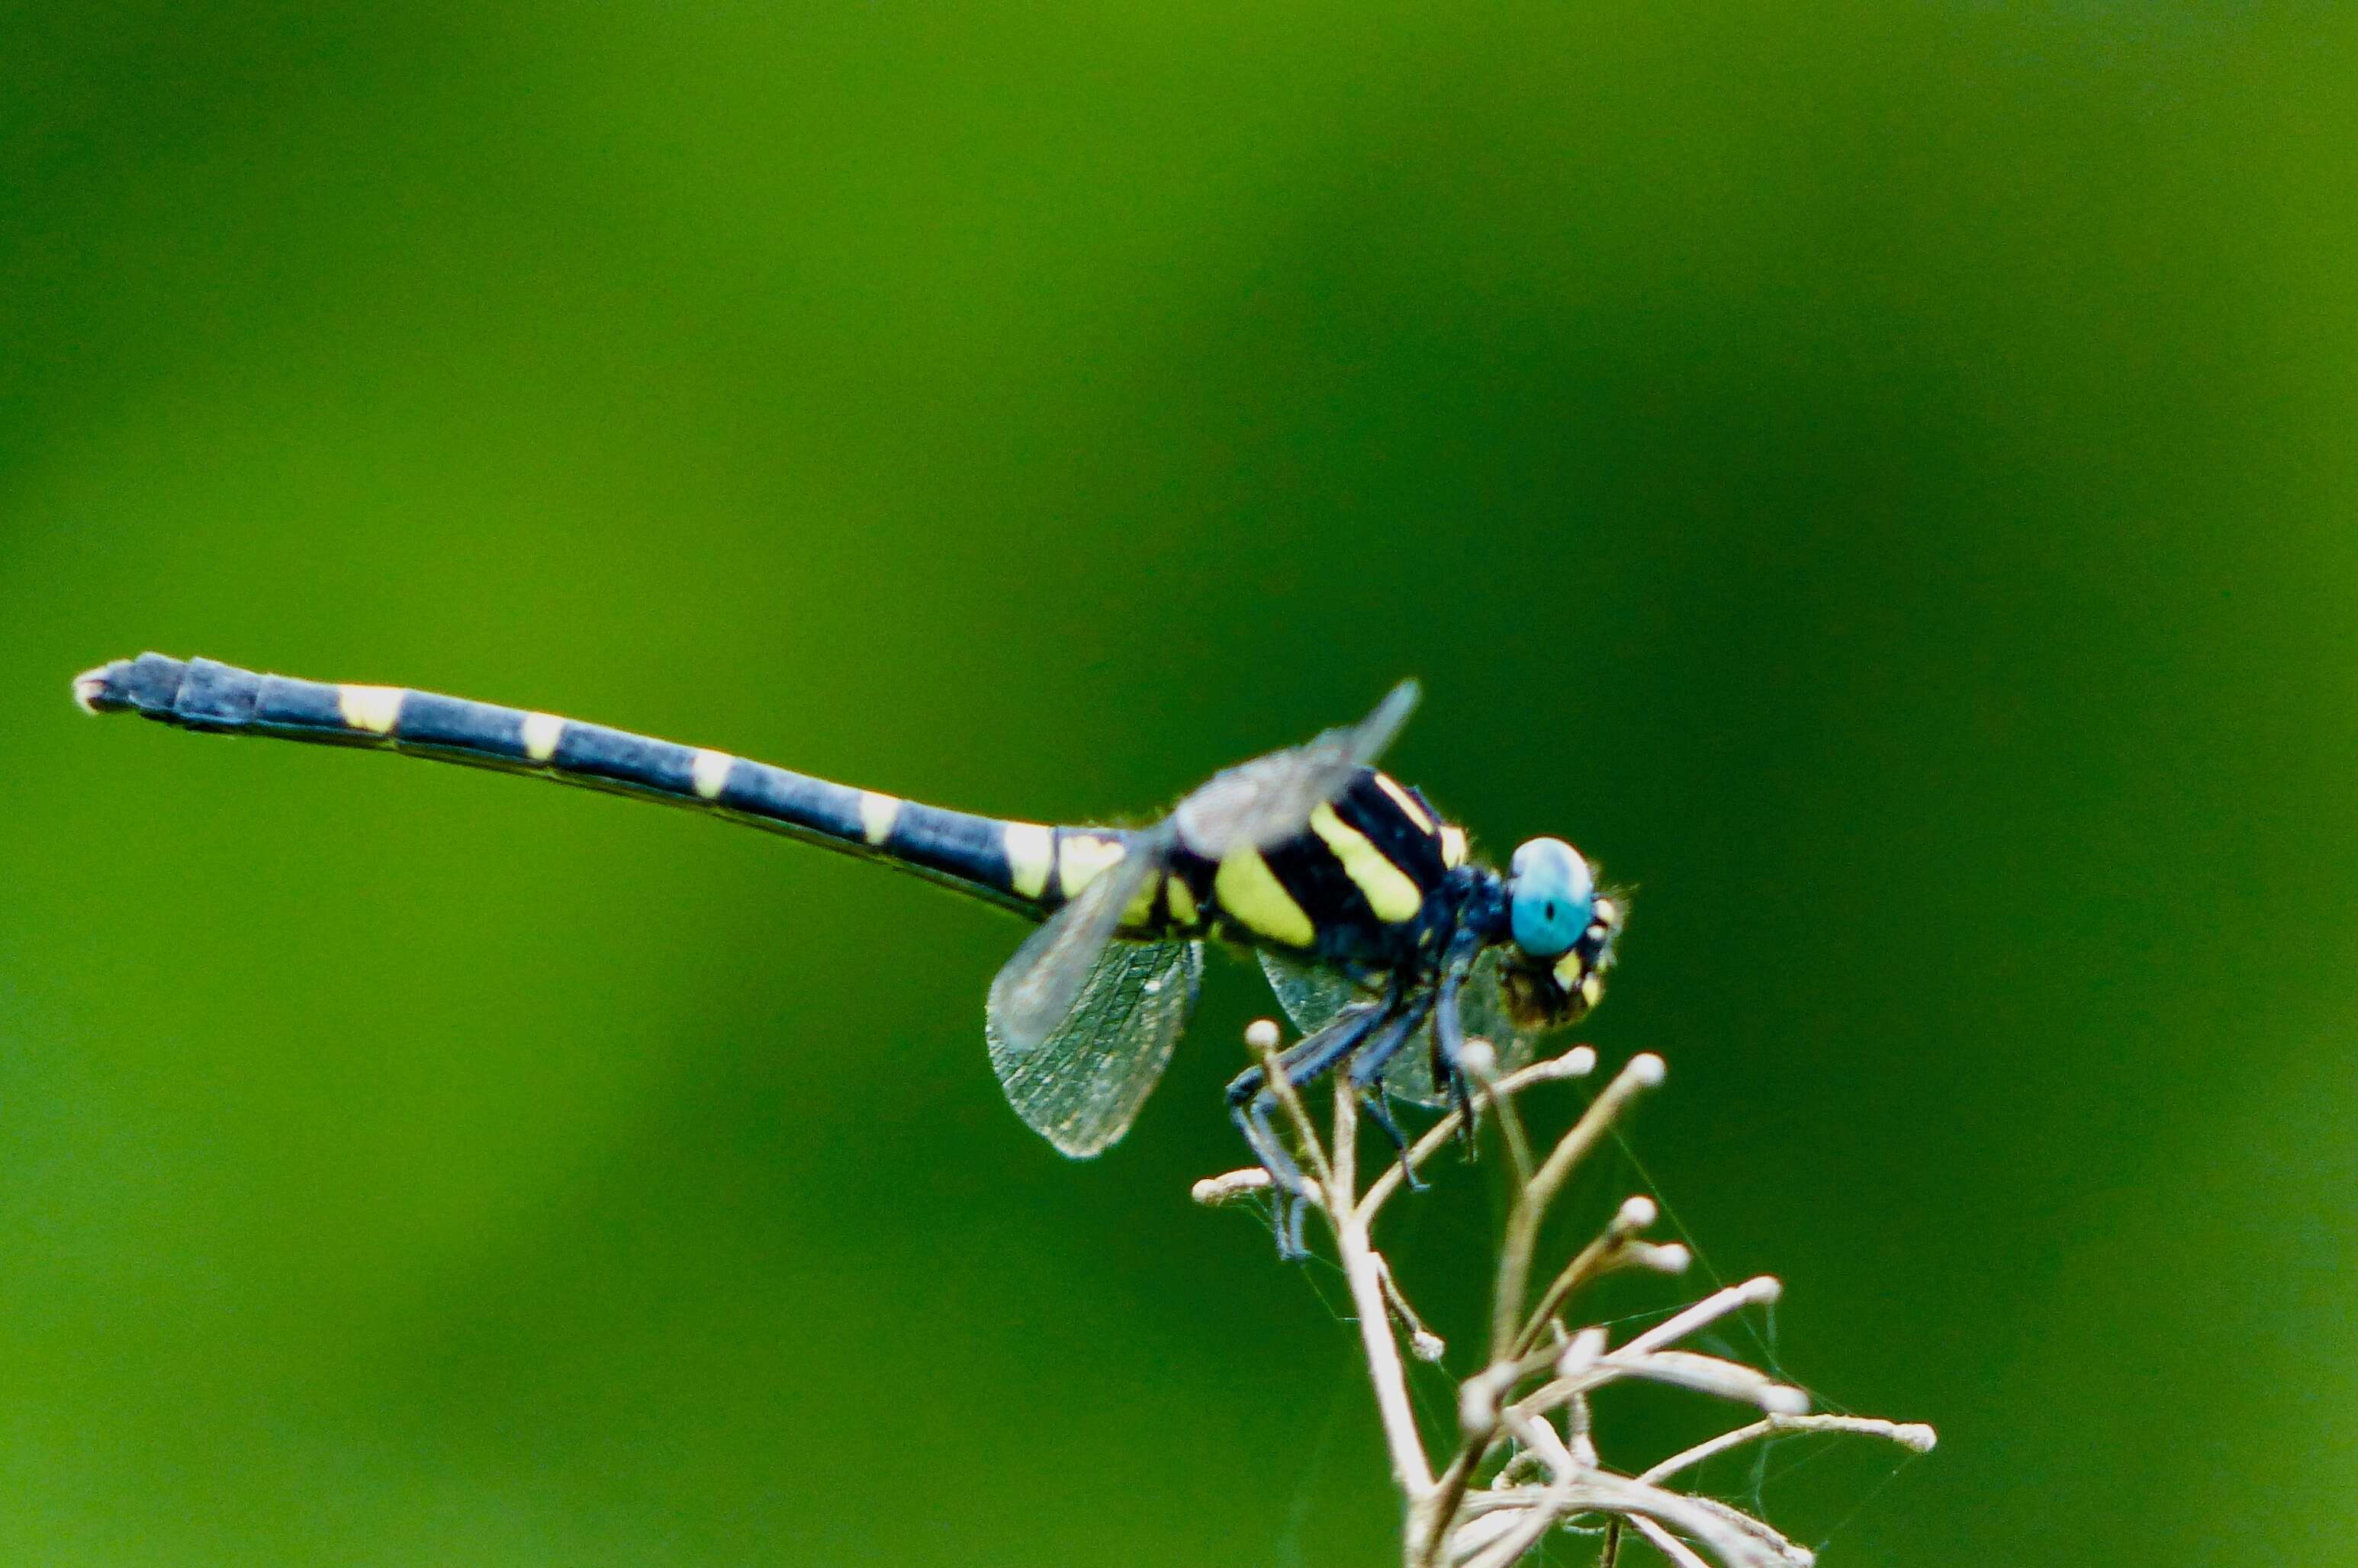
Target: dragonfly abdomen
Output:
{"points": [[1019, 865], [1346, 887]]}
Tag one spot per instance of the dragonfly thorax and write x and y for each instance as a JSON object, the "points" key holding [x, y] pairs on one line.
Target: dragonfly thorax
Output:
{"points": [[1364, 883]]}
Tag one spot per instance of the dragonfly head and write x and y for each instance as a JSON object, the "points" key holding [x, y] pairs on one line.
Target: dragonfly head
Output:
{"points": [[1562, 932]]}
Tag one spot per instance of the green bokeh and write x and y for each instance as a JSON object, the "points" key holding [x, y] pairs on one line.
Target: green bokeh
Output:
{"points": [[1881, 477]]}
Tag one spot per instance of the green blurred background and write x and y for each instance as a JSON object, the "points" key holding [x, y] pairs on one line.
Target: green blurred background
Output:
{"points": [[1879, 477]]}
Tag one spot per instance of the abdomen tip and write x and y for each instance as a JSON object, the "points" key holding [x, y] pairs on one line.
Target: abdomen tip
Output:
{"points": [[101, 690]]}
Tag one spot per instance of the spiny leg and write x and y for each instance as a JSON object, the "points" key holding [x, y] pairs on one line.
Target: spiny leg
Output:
{"points": [[1367, 1071], [1379, 1107], [1252, 1103], [1449, 1028]]}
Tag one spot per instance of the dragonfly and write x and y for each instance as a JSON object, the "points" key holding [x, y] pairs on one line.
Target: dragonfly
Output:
{"points": [[1386, 942]]}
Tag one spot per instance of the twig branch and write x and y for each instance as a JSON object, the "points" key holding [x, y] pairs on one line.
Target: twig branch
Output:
{"points": [[1913, 1435], [1576, 1063], [1532, 1203], [1529, 1405], [1363, 1267]]}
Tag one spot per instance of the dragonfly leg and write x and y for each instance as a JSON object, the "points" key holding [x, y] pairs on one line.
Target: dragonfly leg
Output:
{"points": [[1368, 1069], [1449, 1029], [1251, 1104], [1288, 1227], [1379, 1111]]}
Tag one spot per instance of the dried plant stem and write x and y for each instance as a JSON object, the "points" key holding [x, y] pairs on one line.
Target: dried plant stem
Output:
{"points": [[1908, 1434], [1576, 1063], [1372, 1293], [1531, 1201], [1528, 1406], [1411, 1468]]}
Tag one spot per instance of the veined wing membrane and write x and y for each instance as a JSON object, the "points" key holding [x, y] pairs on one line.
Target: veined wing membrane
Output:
{"points": [[1080, 1087], [1269, 799], [1482, 1009], [1258, 803], [1036, 990], [1312, 995]]}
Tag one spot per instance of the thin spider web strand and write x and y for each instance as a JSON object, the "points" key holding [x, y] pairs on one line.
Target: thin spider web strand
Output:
{"points": [[1877, 1489], [1764, 1336], [1703, 1260], [1297, 1510]]}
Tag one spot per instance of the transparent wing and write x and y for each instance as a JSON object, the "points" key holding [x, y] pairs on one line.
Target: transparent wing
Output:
{"points": [[1034, 990], [1081, 1085], [1271, 798], [1482, 1009], [1039, 997], [1312, 994]]}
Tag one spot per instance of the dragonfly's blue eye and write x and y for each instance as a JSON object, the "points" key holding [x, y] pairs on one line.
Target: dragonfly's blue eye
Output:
{"points": [[1551, 894]]}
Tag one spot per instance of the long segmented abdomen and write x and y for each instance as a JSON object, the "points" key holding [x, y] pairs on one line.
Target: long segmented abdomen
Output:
{"points": [[1027, 867]]}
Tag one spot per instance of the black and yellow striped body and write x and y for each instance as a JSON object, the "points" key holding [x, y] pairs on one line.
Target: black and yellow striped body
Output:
{"points": [[1336, 872], [1356, 887], [1008, 863]]}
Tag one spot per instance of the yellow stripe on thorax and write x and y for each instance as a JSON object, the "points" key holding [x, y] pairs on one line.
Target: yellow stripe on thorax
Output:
{"points": [[1405, 801], [1251, 895], [1391, 892]]}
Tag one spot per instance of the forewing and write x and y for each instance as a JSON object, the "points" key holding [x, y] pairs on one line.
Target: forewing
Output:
{"points": [[1034, 990], [1270, 798], [1080, 1087]]}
